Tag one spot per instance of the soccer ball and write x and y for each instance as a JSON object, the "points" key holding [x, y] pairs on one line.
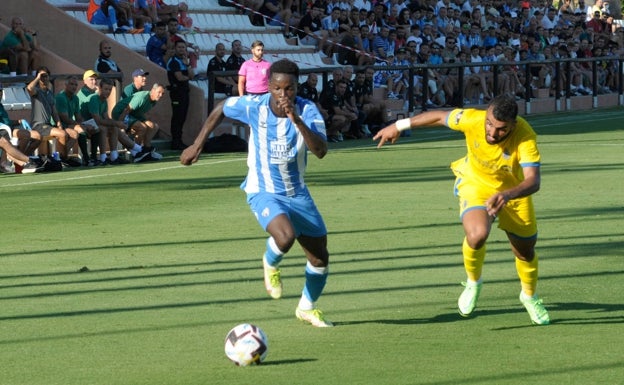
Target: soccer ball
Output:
{"points": [[246, 344]]}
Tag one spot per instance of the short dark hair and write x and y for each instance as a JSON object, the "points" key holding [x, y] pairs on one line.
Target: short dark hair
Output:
{"points": [[284, 66], [108, 81], [504, 108]]}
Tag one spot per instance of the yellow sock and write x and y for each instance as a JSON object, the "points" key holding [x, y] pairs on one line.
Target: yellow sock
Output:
{"points": [[527, 272], [473, 261]]}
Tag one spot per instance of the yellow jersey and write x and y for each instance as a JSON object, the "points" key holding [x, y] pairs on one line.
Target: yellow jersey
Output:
{"points": [[498, 166]]}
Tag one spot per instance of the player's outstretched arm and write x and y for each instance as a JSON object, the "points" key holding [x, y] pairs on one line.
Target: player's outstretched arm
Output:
{"points": [[426, 119], [192, 152]]}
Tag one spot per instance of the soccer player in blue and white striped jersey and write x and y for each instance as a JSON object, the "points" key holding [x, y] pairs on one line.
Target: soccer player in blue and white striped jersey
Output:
{"points": [[283, 128]]}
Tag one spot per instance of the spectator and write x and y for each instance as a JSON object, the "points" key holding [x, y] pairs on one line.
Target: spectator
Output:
{"points": [[309, 91], [278, 13], [223, 84], [235, 61], [144, 12], [253, 76], [132, 110], [110, 13], [193, 51], [310, 29], [68, 109], [165, 11], [179, 73], [44, 116], [382, 45], [156, 47], [340, 117], [139, 80], [104, 64], [184, 20], [21, 48]]}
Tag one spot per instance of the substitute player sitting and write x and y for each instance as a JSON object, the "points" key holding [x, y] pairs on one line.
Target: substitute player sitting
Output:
{"points": [[494, 180], [283, 128]]}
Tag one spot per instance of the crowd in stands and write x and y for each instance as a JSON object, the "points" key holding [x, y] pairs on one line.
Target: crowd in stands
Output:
{"points": [[404, 32]]}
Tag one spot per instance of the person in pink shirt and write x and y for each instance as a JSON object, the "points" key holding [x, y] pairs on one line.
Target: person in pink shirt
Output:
{"points": [[253, 76]]}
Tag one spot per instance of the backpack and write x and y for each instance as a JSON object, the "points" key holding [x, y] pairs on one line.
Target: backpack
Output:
{"points": [[225, 143]]}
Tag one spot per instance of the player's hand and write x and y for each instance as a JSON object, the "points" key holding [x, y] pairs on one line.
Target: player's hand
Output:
{"points": [[190, 155], [389, 133], [495, 204], [286, 105]]}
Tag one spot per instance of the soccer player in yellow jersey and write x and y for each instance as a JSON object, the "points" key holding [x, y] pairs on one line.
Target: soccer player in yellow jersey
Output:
{"points": [[494, 180]]}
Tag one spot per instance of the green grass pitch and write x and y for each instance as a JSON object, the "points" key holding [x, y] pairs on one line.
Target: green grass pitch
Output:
{"points": [[134, 274]]}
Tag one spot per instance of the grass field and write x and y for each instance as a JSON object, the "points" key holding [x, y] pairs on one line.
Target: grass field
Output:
{"points": [[134, 274]]}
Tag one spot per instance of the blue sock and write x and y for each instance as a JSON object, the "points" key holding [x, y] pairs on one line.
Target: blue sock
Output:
{"points": [[316, 277], [273, 255]]}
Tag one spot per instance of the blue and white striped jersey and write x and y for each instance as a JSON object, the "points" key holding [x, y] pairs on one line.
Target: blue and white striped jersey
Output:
{"points": [[277, 152]]}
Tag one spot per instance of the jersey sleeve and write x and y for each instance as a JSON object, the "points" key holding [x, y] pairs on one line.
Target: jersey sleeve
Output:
{"points": [[312, 117], [235, 107]]}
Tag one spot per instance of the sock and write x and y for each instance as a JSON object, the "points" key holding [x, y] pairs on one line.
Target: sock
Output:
{"points": [[273, 255], [316, 277], [95, 143], [527, 272], [102, 158], [114, 155], [473, 261], [82, 143], [136, 149]]}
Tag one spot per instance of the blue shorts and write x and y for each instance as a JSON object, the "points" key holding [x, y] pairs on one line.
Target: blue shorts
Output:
{"points": [[300, 209]]}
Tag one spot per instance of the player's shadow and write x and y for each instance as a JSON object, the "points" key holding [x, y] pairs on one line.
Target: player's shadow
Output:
{"points": [[440, 318], [287, 362]]}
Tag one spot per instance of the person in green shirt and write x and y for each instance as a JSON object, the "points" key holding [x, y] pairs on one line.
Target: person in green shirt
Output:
{"points": [[68, 108], [132, 110], [139, 79], [21, 48]]}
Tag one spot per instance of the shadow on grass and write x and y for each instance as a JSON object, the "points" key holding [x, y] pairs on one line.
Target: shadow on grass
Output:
{"points": [[440, 318], [288, 362]]}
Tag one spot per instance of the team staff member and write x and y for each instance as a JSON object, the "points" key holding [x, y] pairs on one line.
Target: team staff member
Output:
{"points": [[179, 72], [253, 76], [284, 127], [494, 180]]}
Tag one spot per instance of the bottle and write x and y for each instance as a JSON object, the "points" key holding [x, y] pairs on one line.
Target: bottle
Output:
{"points": [[25, 124], [481, 98]]}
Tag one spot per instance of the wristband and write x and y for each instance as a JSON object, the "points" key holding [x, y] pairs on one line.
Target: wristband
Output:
{"points": [[403, 124]]}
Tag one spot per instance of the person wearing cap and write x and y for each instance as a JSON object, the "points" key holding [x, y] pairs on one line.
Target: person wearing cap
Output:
{"points": [[89, 79], [68, 108], [132, 109], [139, 79]]}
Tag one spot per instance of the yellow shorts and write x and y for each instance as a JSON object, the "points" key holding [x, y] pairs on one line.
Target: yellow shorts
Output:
{"points": [[517, 217]]}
